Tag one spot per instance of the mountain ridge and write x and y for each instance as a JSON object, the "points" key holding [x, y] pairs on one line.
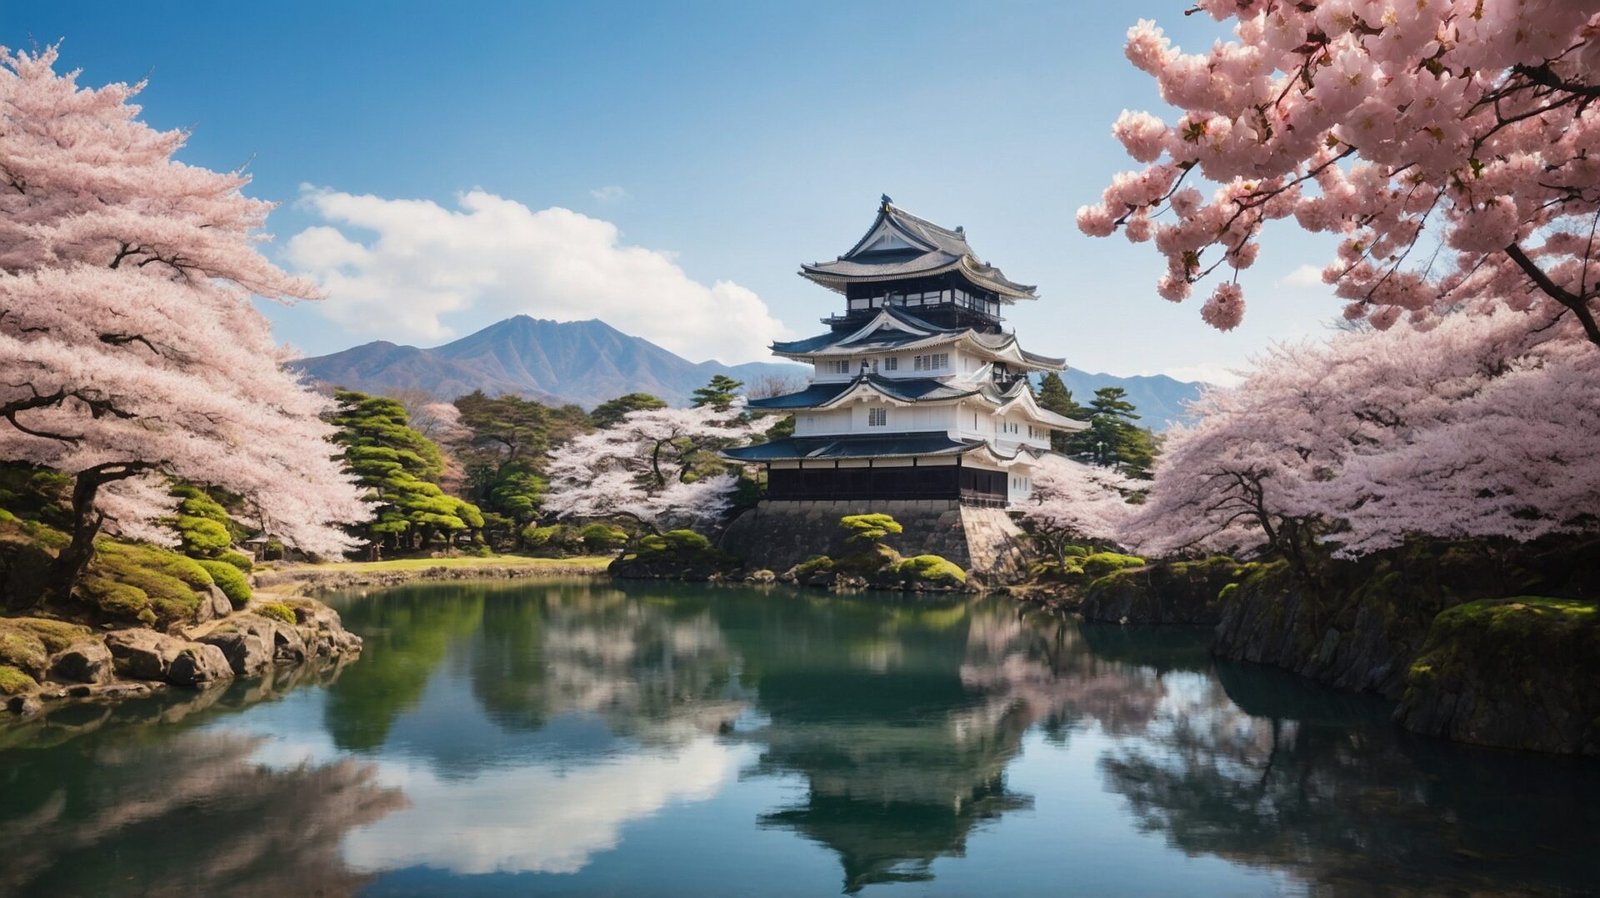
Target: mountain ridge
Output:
{"points": [[587, 362], [554, 362]]}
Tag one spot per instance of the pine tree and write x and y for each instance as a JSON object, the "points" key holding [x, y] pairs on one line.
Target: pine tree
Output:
{"points": [[399, 468], [719, 393], [1055, 397]]}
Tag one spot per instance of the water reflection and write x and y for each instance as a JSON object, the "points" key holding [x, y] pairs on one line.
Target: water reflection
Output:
{"points": [[136, 799], [586, 739], [1262, 769]]}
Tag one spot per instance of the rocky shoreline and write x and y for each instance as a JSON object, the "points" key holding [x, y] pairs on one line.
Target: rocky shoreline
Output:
{"points": [[273, 631], [1506, 673], [309, 578]]}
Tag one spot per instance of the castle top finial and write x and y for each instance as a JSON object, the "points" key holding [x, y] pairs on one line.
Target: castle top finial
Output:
{"points": [[886, 201]]}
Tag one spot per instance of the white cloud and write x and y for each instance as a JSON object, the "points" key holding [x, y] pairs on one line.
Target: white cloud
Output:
{"points": [[414, 271], [565, 816], [1220, 375], [1304, 276], [611, 193]]}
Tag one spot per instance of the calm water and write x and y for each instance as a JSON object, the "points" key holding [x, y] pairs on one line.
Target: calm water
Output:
{"points": [[580, 739]]}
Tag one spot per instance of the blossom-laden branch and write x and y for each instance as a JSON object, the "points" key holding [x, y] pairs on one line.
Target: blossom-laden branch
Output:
{"points": [[1468, 122]]}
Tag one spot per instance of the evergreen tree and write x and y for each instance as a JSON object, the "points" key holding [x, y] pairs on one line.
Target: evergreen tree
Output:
{"points": [[502, 443], [719, 393], [608, 413], [399, 468], [1113, 440], [1055, 397]]}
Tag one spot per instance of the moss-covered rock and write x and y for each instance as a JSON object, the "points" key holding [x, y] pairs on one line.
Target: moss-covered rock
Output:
{"points": [[277, 611], [26, 643], [127, 579], [228, 579], [1101, 563], [674, 555], [816, 564], [1181, 592], [14, 681], [1515, 673], [931, 570]]}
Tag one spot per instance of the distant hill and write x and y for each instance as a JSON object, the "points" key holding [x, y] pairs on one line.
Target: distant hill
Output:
{"points": [[582, 362], [1158, 398]]}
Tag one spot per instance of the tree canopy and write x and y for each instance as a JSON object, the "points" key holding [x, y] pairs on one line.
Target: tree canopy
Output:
{"points": [[1448, 143], [399, 469], [131, 349]]}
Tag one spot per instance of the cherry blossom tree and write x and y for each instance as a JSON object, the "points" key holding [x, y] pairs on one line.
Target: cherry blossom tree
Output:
{"points": [[1481, 426], [1075, 501], [656, 466], [1450, 143], [129, 345]]}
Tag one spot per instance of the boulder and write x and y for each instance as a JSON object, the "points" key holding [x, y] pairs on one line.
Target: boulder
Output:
{"points": [[248, 648], [214, 605], [288, 645], [1512, 673], [1182, 592], [144, 654], [88, 661], [198, 664]]}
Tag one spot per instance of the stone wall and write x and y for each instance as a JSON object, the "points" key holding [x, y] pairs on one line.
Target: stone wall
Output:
{"points": [[778, 534]]}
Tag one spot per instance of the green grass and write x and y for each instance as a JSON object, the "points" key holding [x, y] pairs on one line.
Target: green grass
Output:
{"points": [[586, 562]]}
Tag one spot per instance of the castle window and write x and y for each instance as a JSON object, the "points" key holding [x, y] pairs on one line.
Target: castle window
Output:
{"points": [[932, 362], [877, 417], [891, 364], [838, 367]]}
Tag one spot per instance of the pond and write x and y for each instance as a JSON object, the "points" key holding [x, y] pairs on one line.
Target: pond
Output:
{"points": [[588, 739]]}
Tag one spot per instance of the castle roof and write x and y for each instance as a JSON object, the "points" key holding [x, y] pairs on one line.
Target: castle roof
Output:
{"points": [[909, 391], [889, 445], [895, 329], [900, 245]]}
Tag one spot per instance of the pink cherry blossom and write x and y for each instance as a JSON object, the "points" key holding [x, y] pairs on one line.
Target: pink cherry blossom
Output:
{"points": [[132, 349], [1454, 142]]}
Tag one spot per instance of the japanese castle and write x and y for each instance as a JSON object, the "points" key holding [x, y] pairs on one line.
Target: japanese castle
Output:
{"points": [[917, 392]]}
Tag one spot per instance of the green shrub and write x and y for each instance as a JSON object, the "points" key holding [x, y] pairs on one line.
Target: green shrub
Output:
{"points": [[238, 560], [125, 579], [557, 539], [603, 537], [816, 564], [1071, 550], [869, 561], [869, 528], [277, 611], [229, 580], [272, 551], [675, 543], [932, 569], [13, 681], [1101, 563]]}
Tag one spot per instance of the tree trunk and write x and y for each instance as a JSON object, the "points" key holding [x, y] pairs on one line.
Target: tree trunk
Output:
{"points": [[86, 522]]}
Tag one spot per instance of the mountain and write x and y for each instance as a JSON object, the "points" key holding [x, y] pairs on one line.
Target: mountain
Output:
{"points": [[1158, 398], [582, 362]]}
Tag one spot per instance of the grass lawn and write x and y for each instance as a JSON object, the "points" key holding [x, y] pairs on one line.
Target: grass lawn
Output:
{"points": [[586, 562]]}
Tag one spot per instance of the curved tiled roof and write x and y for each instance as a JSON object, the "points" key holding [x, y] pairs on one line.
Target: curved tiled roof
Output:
{"points": [[895, 328], [929, 250]]}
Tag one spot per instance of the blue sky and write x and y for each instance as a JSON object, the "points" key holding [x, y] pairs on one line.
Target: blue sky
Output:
{"points": [[422, 154]]}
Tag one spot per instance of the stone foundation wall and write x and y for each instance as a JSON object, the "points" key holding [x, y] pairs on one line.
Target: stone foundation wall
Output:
{"points": [[778, 534]]}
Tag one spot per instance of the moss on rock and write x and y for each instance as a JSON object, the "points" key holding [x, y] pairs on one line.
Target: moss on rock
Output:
{"points": [[126, 579], [276, 611], [932, 570], [14, 681], [228, 579], [26, 643], [1515, 672]]}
